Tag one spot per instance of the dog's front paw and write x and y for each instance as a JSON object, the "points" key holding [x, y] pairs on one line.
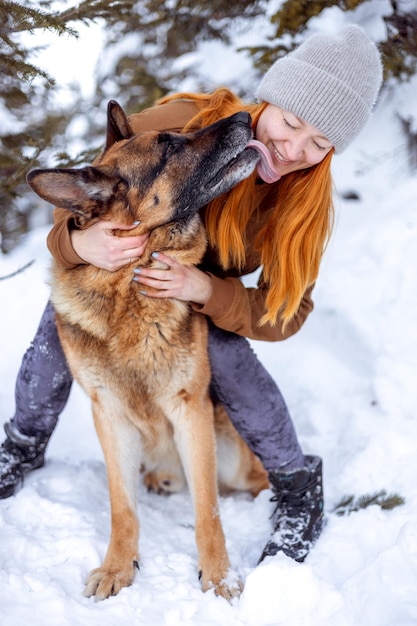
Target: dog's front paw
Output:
{"points": [[103, 583], [228, 587]]}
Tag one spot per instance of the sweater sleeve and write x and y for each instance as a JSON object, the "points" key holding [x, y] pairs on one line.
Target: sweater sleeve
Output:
{"points": [[238, 309], [59, 240]]}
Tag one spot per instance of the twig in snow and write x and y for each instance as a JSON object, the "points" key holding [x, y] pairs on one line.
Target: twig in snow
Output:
{"points": [[18, 271]]}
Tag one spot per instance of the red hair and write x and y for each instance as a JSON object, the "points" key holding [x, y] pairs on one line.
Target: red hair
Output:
{"points": [[293, 239]]}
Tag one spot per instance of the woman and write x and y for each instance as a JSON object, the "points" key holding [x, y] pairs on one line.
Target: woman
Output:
{"points": [[312, 103]]}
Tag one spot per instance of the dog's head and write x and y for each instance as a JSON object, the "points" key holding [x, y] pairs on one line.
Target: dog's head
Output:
{"points": [[155, 177]]}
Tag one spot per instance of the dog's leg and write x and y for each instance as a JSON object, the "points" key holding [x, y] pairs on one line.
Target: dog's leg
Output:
{"points": [[194, 436], [163, 472], [120, 442], [238, 467]]}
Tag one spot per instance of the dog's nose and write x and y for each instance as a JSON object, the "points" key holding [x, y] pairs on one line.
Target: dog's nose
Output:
{"points": [[242, 117]]}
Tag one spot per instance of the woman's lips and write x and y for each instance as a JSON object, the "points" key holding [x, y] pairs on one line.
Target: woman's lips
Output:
{"points": [[265, 167], [281, 159]]}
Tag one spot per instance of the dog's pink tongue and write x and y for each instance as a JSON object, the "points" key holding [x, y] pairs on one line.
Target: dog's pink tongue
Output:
{"points": [[265, 166]]}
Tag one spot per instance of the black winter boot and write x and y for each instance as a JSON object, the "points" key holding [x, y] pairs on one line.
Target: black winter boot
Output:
{"points": [[298, 517], [19, 454]]}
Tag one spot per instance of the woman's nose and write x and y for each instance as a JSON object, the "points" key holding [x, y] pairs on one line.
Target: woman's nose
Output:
{"points": [[295, 148]]}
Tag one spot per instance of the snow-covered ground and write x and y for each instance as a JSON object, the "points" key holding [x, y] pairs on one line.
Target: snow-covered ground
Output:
{"points": [[349, 379]]}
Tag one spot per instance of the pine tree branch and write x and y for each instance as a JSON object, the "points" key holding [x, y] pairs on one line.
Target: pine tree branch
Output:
{"points": [[109, 10], [18, 271], [27, 71], [350, 504], [30, 19]]}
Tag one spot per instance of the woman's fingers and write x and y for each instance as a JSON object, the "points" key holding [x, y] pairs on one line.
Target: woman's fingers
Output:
{"points": [[183, 282], [100, 246]]}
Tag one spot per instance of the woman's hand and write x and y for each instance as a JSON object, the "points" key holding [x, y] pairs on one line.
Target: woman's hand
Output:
{"points": [[99, 246], [183, 282]]}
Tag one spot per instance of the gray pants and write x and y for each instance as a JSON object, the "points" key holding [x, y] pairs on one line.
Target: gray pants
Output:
{"points": [[251, 397]]}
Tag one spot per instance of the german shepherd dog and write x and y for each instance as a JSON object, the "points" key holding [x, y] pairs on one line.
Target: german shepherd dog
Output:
{"points": [[143, 361]]}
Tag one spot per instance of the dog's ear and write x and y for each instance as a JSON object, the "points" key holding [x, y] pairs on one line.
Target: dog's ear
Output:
{"points": [[85, 191], [118, 127]]}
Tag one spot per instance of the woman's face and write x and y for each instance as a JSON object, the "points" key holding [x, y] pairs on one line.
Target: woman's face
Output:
{"points": [[292, 143]]}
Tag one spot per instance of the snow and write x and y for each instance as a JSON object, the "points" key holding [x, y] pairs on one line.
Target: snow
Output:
{"points": [[349, 380]]}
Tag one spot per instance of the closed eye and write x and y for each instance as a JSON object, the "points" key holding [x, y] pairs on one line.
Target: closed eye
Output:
{"points": [[288, 124], [320, 147]]}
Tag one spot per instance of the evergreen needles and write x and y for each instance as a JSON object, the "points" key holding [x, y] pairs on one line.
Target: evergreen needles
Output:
{"points": [[350, 504]]}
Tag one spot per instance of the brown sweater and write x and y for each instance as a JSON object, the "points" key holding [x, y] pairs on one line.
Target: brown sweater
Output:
{"points": [[231, 306]]}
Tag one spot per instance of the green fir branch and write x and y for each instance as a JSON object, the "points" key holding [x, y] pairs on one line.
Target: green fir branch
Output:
{"points": [[29, 19], [350, 504]]}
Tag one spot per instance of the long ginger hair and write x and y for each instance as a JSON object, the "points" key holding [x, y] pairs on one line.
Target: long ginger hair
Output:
{"points": [[293, 239]]}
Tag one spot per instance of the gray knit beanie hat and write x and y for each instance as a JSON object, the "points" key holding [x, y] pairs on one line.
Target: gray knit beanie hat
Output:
{"points": [[329, 81]]}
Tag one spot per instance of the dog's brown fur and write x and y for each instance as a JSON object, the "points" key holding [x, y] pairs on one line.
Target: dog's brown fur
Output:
{"points": [[143, 361]]}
